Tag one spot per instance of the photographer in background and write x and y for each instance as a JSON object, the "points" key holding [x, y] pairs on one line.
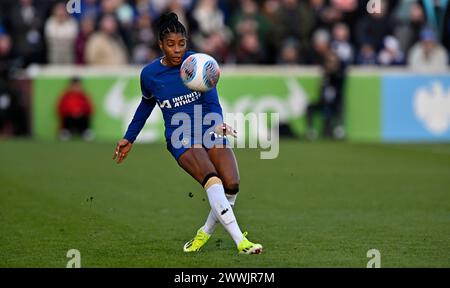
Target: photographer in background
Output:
{"points": [[12, 109], [329, 104]]}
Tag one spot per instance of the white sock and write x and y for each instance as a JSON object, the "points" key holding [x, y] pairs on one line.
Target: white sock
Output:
{"points": [[212, 221], [231, 199], [223, 211]]}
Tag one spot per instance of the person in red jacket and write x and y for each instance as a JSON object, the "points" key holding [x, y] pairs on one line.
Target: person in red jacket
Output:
{"points": [[75, 111]]}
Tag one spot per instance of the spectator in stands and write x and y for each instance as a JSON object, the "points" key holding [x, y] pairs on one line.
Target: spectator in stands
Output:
{"points": [[108, 7], [409, 20], [144, 40], [25, 27], [178, 8], [124, 12], [106, 47], [249, 50], [366, 55], [391, 55], [321, 46], [435, 14], [217, 46], [349, 10], [289, 52], [125, 16], [373, 27], [296, 20], [156, 7], [8, 61], [341, 43], [211, 23], [143, 7], [428, 54], [87, 27], [330, 15], [357, 36], [5, 95], [121, 15], [60, 32], [270, 12], [248, 20], [75, 111], [316, 9]]}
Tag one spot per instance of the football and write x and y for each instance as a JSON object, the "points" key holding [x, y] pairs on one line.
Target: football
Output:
{"points": [[200, 72]]}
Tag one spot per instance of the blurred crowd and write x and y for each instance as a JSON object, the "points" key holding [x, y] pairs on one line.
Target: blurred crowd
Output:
{"points": [[329, 33], [116, 32]]}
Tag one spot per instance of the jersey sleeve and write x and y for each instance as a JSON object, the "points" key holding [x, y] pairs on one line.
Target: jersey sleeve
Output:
{"points": [[141, 115], [145, 85], [212, 102], [143, 111]]}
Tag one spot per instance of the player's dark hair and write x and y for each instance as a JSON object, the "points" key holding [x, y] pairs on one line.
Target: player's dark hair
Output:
{"points": [[168, 23]]}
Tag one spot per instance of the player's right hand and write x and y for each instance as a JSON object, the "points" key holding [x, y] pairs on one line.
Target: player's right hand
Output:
{"points": [[225, 129], [123, 147]]}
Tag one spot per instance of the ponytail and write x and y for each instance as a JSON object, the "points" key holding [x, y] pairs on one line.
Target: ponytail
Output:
{"points": [[168, 23]]}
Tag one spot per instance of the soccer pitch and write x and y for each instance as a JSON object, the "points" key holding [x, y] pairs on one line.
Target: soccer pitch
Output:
{"points": [[321, 204]]}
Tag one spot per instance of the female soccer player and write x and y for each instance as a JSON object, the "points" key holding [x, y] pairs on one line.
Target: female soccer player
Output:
{"points": [[212, 165]]}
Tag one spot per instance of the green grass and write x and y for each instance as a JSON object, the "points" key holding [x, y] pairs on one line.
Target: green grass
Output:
{"points": [[317, 205]]}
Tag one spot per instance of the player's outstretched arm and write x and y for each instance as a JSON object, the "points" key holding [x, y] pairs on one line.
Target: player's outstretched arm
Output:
{"points": [[143, 111], [123, 147]]}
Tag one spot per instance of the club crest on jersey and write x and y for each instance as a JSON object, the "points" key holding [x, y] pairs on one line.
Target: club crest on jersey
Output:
{"points": [[164, 104]]}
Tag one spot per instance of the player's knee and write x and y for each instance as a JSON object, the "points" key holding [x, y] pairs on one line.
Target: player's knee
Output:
{"points": [[231, 187], [211, 179]]}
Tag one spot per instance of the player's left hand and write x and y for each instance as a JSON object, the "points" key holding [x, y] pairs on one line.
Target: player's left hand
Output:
{"points": [[225, 129]]}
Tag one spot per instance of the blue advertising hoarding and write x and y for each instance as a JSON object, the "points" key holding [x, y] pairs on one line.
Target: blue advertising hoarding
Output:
{"points": [[416, 108]]}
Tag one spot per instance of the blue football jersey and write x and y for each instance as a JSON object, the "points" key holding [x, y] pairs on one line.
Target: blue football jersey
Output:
{"points": [[162, 85]]}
